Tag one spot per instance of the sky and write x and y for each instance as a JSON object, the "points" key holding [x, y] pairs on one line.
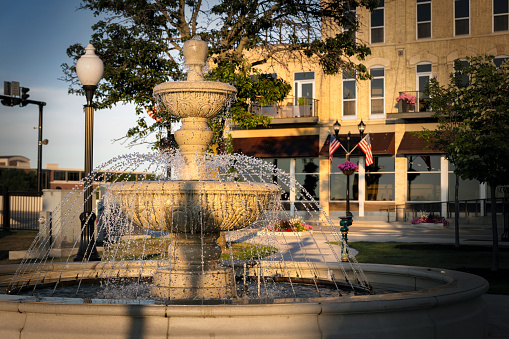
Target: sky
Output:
{"points": [[33, 41]]}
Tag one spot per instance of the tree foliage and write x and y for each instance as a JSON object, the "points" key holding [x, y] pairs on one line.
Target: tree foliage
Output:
{"points": [[473, 124], [140, 44], [474, 120]]}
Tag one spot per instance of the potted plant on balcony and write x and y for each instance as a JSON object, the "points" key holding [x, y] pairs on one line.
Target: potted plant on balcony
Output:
{"points": [[304, 106], [406, 102], [348, 167]]}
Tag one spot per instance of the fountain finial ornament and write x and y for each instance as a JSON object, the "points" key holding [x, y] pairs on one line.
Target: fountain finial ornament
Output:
{"points": [[195, 55], [195, 101]]}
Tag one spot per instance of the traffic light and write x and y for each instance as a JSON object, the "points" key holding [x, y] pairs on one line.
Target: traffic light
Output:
{"points": [[11, 101], [24, 96]]}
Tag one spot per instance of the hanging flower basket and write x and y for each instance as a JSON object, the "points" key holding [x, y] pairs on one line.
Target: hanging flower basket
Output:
{"points": [[348, 167]]}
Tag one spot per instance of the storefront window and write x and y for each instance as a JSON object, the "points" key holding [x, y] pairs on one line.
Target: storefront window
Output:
{"points": [[380, 179], [305, 173], [467, 190], [423, 175], [338, 181]]}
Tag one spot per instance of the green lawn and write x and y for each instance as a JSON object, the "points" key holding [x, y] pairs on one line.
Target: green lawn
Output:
{"points": [[468, 258]]}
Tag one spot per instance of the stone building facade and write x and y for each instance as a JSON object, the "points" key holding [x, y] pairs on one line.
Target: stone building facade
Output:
{"points": [[411, 41]]}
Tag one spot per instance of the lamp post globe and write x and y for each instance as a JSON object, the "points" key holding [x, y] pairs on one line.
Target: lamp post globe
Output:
{"points": [[89, 69], [337, 127], [362, 127]]}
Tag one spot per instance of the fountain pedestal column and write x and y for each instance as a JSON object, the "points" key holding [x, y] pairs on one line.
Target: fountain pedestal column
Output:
{"points": [[195, 271], [193, 138]]}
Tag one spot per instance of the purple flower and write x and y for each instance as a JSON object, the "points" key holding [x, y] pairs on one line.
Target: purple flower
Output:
{"points": [[348, 166]]}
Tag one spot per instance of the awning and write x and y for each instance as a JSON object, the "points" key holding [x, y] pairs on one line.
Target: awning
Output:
{"points": [[411, 144], [280, 147], [381, 144]]}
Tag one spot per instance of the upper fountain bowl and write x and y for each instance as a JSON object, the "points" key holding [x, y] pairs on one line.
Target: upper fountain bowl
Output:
{"points": [[200, 99]]}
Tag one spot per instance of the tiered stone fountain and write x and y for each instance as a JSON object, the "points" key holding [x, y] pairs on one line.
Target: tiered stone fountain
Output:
{"points": [[199, 206]]}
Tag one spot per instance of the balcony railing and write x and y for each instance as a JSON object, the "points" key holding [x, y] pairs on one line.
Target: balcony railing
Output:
{"points": [[290, 107], [421, 102]]}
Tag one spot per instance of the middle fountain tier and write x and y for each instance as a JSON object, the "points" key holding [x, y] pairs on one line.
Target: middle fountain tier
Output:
{"points": [[198, 206]]}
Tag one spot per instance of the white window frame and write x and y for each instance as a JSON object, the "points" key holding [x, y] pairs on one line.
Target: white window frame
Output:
{"points": [[417, 75], [422, 2], [463, 18], [297, 90], [498, 14], [371, 98], [380, 8], [343, 100], [345, 30]]}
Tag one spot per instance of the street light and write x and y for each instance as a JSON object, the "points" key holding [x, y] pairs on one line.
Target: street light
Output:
{"points": [[89, 69]]}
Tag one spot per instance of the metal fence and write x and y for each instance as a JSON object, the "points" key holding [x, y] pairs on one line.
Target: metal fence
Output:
{"points": [[467, 208], [20, 210]]}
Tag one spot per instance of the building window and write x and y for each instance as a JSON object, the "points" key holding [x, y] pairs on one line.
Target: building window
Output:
{"points": [[461, 79], [500, 15], [303, 92], [377, 23], [59, 175], [423, 19], [467, 190], [338, 181], [350, 19], [73, 176], [349, 94], [424, 73], [461, 17], [377, 90], [304, 172], [423, 177], [380, 179], [500, 59]]}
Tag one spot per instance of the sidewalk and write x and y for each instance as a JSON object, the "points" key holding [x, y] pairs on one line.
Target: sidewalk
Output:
{"points": [[381, 231]]}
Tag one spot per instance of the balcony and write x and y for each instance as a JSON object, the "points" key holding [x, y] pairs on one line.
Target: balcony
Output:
{"points": [[418, 107], [290, 110]]}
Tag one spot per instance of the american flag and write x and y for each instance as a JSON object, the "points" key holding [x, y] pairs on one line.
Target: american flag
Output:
{"points": [[333, 146], [365, 146]]}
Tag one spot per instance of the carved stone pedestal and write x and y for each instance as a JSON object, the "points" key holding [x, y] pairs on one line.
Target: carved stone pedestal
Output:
{"points": [[195, 271]]}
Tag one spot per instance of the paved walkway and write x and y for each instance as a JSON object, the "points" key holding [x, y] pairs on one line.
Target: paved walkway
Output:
{"points": [[498, 305]]}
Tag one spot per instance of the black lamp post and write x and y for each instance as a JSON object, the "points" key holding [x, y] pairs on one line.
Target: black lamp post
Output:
{"points": [[337, 126], [89, 69], [346, 221]]}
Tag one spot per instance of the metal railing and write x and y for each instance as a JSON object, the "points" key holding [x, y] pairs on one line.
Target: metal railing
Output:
{"points": [[419, 99], [290, 107], [467, 208], [20, 210]]}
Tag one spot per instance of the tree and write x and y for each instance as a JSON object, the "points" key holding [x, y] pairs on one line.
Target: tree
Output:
{"points": [[18, 179], [140, 43], [474, 124]]}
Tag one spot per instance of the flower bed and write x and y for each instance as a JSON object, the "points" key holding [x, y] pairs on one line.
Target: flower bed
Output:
{"points": [[291, 227], [426, 220]]}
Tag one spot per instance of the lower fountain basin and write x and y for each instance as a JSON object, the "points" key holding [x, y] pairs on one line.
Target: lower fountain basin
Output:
{"points": [[193, 206], [427, 303]]}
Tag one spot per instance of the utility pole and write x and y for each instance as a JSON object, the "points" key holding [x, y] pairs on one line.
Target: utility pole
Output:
{"points": [[13, 98]]}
